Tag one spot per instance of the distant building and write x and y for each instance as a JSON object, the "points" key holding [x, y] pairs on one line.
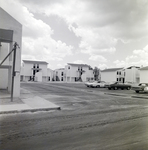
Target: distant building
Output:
{"points": [[10, 32], [112, 74], [132, 74], [78, 72], [144, 74], [59, 74], [34, 71], [50, 76]]}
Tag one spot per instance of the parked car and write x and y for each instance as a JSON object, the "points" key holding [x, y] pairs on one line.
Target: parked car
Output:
{"points": [[98, 84], [142, 87], [118, 85], [88, 84]]}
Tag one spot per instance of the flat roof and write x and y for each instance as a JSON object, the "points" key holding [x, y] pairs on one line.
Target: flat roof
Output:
{"points": [[111, 69], [72, 64], [35, 62]]}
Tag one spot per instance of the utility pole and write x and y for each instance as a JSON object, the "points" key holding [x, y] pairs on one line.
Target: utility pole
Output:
{"points": [[13, 70]]}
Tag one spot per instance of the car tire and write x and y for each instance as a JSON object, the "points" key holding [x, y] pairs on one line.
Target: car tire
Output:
{"points": [[128, 88], [109, 88], [137, 91], [98, 86], [115, 88]]}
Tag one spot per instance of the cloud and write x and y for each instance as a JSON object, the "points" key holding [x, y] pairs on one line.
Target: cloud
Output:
{"points": [[79, 62], [138, 58], [98, 58], [36, 42]]}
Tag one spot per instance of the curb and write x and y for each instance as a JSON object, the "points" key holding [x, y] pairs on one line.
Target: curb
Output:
{"points": [[133, 96], [29, 110], [140, 97]]}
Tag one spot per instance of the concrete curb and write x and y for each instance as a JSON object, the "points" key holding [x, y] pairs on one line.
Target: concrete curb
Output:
{"points": [[133, 96], [29, 110], [140, 97]]}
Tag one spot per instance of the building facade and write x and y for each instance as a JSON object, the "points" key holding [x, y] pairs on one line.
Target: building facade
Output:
{"points": [[50, 76], [112, 74], [34, 71], [132, 74], [144, 74], [78, 73], [59, 74], [10, 32]]}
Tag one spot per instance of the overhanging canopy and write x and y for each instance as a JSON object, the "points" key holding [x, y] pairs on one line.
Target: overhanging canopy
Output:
{"points": [[6, 35]]}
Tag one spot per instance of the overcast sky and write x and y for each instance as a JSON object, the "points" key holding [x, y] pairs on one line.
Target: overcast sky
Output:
{"points": [[101, 33]]}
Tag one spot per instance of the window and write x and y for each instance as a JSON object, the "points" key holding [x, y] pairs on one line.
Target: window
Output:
{"points": [[117, 79], [62, 79], [117, 72], [68, 67], [61, 73]]}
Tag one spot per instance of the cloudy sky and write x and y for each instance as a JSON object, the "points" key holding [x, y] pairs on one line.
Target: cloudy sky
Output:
{"points": [[101, 33]]}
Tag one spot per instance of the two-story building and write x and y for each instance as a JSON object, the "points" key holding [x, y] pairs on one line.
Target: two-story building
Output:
{"points": [[10, 32], [34, 71], [112, 74], [59, 74], [132, 74], [144, 74], [78, 72]]}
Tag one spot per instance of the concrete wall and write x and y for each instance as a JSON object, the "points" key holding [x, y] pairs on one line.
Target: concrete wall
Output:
{"points": [[108, 76], [143, 76], [27, 71], [7, 22], [132, 75], [71, 72]]}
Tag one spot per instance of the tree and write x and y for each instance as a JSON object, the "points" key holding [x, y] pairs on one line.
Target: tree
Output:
{"points": [[96, 72]]}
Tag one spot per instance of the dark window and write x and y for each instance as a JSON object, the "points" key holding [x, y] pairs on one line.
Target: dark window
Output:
{"points": [[68, 67], [117, 79], [61, 73], [117, 72], [62, 79]]}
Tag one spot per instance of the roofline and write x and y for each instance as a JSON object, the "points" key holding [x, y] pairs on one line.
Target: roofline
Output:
{"points": [[111, 69], [35, 61]]}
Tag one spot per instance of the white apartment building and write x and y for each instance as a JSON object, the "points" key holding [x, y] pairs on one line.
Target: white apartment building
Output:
{"points": [[59, 74], [78, 72], [112, 74], [144, 74], [10, 32], [50, 74], [34, 71], [132, 74]]}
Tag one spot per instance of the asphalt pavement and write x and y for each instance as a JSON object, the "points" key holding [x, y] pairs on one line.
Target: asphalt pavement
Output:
{"points": [[32, 103]]}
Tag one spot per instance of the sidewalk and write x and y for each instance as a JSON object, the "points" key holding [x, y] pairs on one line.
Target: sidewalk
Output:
{"points": [[26, 103]]}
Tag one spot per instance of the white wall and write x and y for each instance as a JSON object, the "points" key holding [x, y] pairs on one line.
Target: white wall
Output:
{"points": [[132, 75], [27, 71], [9, 23], [73, 72], [143, 76], [108, 76]]}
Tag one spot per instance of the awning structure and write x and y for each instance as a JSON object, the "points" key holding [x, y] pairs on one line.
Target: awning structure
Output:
{"points": [[5, 66], [6, 35]]}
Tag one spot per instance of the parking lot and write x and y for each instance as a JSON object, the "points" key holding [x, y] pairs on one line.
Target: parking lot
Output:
{"points": [[90, 118]]}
